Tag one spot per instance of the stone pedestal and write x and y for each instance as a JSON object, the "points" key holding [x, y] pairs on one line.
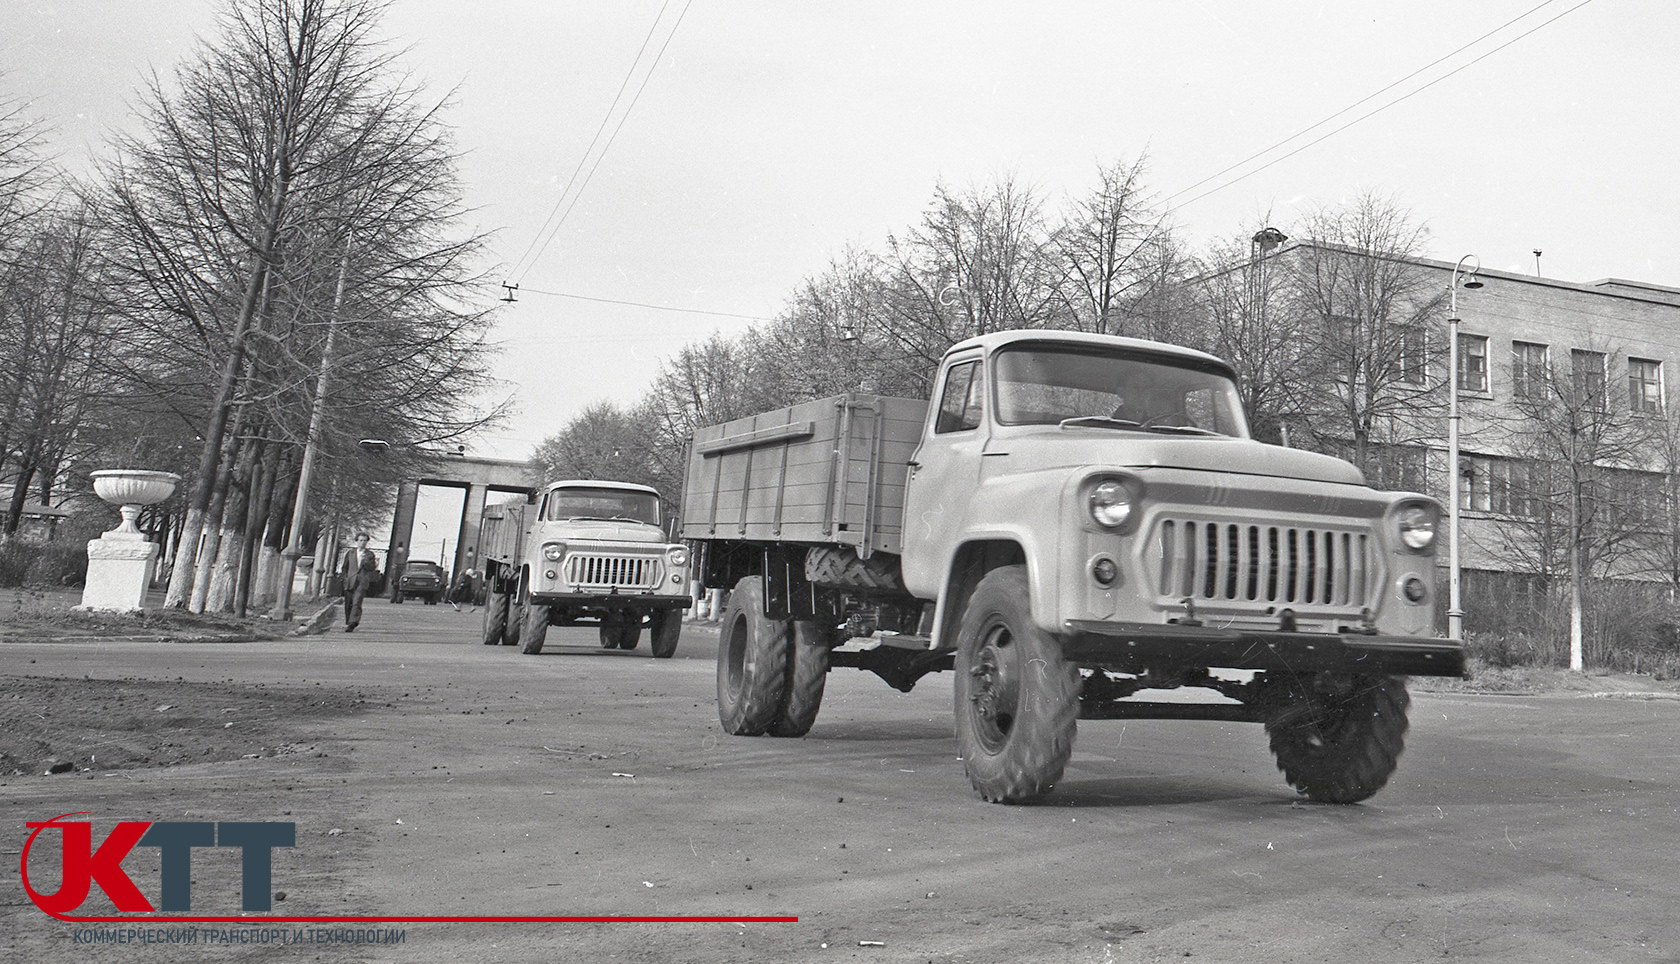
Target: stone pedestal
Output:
{"points": [[120, 568], [121, 562]]}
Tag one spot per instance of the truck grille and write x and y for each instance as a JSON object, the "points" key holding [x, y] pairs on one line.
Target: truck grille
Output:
{"points": [[1272, 564], [607, 571]]}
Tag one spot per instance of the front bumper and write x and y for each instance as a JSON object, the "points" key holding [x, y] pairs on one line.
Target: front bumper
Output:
{"points": [[1136, 646], [612, 600]]}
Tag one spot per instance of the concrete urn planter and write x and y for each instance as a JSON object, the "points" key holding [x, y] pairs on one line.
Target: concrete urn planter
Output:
{"points": [[121, 562], [129, 489]]}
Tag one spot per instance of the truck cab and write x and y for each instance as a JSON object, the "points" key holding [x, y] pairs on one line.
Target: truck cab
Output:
{"points": [[1122, 475], [588, 552]]}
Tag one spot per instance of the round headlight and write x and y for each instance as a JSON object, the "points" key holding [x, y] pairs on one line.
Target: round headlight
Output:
{"points": [[1112, 504], [553, 551], [1417, 527], [679, 557]]}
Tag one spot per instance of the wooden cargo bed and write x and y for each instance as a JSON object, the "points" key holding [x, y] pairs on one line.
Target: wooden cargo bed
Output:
{"points": [[825, 471]]}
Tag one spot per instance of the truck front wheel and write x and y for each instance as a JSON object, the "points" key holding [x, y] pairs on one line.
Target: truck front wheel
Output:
{"points": [[1017, 701], [535, 628], [807, 671], [752, 662], [495, 618], [664, 628], [1338, 739]]}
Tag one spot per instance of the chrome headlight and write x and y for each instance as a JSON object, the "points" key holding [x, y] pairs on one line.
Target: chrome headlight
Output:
{"points": [[553, 551], [1115, 503], [678, 557], [1417, 523]]}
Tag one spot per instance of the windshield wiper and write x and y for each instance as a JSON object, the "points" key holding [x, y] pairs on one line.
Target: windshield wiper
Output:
{"points": [[1098, 421], [1179, 429]]}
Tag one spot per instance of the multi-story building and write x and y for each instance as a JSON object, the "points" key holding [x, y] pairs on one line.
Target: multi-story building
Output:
{"points": [[1567, 439]]}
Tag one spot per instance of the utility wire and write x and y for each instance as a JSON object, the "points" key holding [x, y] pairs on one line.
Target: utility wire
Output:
{"points": [[608, 146], [622, 87], [641, 304], [1374, 111]]}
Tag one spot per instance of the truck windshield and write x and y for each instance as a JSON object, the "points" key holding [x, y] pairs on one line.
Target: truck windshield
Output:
{"points": [[1048, 384], [604, 504]]}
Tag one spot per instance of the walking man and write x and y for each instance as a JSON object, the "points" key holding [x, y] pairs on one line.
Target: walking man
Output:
{"points": [[358, 569]]}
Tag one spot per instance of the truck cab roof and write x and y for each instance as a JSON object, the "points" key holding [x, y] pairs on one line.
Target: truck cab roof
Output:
{"points": [[598, 484], [998, 338]]}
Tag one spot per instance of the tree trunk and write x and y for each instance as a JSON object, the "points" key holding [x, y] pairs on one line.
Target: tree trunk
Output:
{"points": [[256, 519], [183, 575], [211, 524], [230, 549], [264, 590]]}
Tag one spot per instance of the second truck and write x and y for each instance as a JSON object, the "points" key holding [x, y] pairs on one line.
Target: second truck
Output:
{"points": [[588, 552]]}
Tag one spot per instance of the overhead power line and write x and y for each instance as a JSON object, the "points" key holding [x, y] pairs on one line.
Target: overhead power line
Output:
{"points": [[1331, 133], [642, 304], [546, 235]]}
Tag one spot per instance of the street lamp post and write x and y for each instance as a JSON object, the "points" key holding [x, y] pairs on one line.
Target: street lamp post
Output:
{"points": [[1455, 602]]}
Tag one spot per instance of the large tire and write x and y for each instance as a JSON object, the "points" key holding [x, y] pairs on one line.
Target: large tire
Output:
{"points": [[664, 628], [1017, 701], [840, 566], [621, 635], [807, 671], [535, 628], [495, 618], [1339, 743], [752, 662]]}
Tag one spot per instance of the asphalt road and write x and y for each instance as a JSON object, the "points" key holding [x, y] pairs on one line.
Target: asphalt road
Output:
{"points": [[478, 781]]}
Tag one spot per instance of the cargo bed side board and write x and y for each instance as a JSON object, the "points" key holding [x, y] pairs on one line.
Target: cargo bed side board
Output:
{"points": [[825, 471]]}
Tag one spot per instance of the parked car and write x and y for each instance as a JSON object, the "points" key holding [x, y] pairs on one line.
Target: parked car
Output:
{"points": [[423, 580]]}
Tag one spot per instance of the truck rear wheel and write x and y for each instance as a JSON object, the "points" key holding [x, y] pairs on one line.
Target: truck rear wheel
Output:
{"points": [[1340, 743], [664, 627], [1017, 701], [535, 628], [495, 618], [620, 635], [752, 662], [807, 671]]}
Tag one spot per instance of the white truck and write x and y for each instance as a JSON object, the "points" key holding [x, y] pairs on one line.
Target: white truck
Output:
{"points": [[1074, 520], [588, 552]]}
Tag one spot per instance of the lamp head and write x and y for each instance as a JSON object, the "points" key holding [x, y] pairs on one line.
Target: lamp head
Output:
{"points": [[1472, 281]]}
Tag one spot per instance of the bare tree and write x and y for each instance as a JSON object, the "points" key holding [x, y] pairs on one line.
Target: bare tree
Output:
{"points": [[1109, 248], [51, 337], [1584, 500], [1366, 311], [980, 261], [1243, 317]]}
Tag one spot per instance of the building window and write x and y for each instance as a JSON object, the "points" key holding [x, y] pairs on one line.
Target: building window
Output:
{"points": [[1472, 363], [1414, 356], [1586, 369], [1529, 369], [1514, 487], [1645, 386]]}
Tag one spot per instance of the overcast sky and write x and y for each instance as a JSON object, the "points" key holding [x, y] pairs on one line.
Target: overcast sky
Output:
{"points": [[771, 135]]}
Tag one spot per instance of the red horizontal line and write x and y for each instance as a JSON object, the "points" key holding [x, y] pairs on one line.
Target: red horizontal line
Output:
{"points": [[255, 921]]}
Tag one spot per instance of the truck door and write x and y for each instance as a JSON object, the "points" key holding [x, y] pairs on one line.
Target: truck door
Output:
{"points": [[943, 474]]}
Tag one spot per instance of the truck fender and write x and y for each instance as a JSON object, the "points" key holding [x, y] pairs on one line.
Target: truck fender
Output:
{"points": [[969, 564]]}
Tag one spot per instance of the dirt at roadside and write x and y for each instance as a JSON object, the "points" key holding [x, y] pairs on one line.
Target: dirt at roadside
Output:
{"points": [[53, 726]]}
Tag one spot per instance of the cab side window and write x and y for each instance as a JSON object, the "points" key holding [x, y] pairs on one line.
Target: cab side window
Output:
{"points": [[960, 402]]}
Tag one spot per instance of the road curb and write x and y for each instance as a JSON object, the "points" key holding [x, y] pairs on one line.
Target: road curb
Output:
{"points": [[317, 623]]}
